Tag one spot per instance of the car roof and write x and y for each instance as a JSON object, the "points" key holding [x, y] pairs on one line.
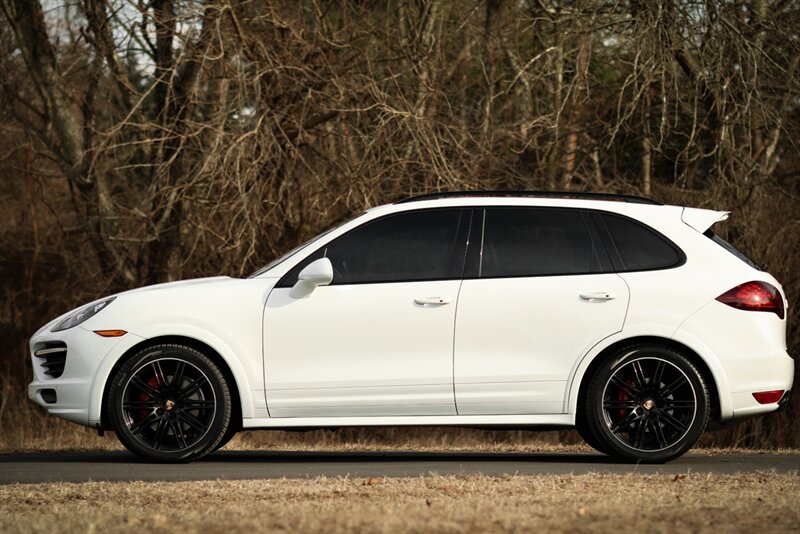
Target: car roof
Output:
{"points": [[628, 204], [585, 195]]}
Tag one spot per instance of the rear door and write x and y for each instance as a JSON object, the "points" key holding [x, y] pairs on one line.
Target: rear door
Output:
{"points": [[538, 294]]}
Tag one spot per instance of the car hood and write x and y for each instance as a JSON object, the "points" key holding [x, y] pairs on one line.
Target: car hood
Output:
{"points": [[211, 280]]}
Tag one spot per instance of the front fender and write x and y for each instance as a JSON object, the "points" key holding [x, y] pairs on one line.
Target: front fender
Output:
{"points": [[226, 351]]}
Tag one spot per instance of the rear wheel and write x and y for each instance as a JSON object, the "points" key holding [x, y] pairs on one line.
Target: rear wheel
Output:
{"points": [[170, 403], [647, 403]]}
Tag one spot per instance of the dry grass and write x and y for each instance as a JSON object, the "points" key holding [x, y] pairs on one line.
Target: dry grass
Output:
{"points": [[56, 435], [26, 427], [620, 503], [29, 429], [53, 434], [623, 503]]}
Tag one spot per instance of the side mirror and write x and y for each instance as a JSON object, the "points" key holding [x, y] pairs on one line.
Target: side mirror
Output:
{"points": [[317, 273]]}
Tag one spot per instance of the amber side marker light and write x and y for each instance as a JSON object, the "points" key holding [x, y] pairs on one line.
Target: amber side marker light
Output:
{"points": [[110, 333]]}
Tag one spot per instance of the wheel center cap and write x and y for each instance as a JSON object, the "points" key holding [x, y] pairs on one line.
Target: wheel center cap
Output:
{"points": [[647, 405], [170, 404]]}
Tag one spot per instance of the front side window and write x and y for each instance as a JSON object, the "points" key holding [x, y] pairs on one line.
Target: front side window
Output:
{"points": [[411, 246], [536, 242], [274, 263]]}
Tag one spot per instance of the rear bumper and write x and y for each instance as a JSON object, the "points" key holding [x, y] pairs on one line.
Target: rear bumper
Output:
{"points": [[759, 374], [745, 352]]}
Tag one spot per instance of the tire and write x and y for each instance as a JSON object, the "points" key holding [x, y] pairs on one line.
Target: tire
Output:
{"points": [[647, 403], [232, 431], [582, 427], [169, 403]]}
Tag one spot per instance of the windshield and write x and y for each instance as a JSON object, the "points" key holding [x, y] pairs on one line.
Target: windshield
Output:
{"points": [[274, 263], [295, 250]]}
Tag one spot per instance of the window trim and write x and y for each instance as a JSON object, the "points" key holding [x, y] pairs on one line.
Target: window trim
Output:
{"points": [[474, 248]]}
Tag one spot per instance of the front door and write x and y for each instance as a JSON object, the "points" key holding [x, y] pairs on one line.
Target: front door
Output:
{"points": [[378, 341]]}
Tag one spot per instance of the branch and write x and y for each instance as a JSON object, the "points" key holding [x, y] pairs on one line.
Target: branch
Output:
{"points": [[27, 21], [103, 43]]}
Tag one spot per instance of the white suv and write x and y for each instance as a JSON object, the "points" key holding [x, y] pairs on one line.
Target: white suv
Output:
{"points": [[627, 319]]}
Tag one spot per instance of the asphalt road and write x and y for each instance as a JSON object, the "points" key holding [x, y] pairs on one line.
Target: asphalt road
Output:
{"points": [[242, 465]]}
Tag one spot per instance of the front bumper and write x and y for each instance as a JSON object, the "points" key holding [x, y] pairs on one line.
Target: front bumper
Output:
{"points": [[74, 394]]}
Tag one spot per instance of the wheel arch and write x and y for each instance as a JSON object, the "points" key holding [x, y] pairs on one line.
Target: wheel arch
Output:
{"points": [[693, 356], [209, 351]]}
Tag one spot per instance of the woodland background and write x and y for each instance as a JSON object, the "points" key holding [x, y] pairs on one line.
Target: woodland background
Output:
{"points": [[151, 140]]}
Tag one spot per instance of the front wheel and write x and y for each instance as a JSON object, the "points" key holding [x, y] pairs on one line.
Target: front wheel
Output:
{"points": [[170, 403], [647, 403]]}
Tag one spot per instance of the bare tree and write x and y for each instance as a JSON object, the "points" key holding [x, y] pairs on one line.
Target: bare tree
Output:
{"points": [[149, 141]]}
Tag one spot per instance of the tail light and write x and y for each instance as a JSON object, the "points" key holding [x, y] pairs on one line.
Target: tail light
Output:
{"points": [[754, 296]]}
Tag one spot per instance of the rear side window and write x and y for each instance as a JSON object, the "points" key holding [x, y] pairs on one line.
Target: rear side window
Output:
{"points": [[641, 248], [535, 242]]}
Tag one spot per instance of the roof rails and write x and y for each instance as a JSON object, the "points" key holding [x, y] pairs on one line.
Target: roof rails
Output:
{"points": [[542, 194]]}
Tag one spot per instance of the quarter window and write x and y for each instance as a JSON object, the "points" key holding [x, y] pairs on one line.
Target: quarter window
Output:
{"points": [[535, 242], [639, 247]]}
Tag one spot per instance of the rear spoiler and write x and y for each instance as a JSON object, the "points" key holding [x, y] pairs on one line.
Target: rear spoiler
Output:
{"points": [[701, 220]]}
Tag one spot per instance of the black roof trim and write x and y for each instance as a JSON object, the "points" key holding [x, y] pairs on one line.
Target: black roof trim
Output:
{"points": [[584, 195]]}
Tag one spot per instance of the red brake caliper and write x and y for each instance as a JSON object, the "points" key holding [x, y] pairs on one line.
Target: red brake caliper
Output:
{"points": [[622, 396], [153, 383]]}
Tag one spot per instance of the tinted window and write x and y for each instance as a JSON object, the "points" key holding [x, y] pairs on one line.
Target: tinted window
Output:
{"points": [[295, 250], [640, 248], [421, 245], [530, 242]]}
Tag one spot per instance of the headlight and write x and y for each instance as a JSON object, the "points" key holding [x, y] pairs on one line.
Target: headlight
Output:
{"points": [[82, 314]]}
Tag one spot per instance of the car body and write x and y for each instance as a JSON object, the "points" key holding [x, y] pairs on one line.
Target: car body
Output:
{"points": [[493, 309]]}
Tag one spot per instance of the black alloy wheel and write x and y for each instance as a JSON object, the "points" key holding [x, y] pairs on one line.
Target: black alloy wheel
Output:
{"points": [[170, 403], [647, 403]]}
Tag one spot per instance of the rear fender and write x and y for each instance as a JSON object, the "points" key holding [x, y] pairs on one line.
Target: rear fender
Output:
{"points": [[651, 333]]}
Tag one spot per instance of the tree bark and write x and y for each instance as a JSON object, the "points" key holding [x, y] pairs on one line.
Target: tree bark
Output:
{"points": [[176, 110], [68, 142], [27, 21]]}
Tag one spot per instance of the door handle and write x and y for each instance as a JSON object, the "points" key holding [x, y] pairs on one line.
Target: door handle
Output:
{"points": [[432, 301], [598, 295]]}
